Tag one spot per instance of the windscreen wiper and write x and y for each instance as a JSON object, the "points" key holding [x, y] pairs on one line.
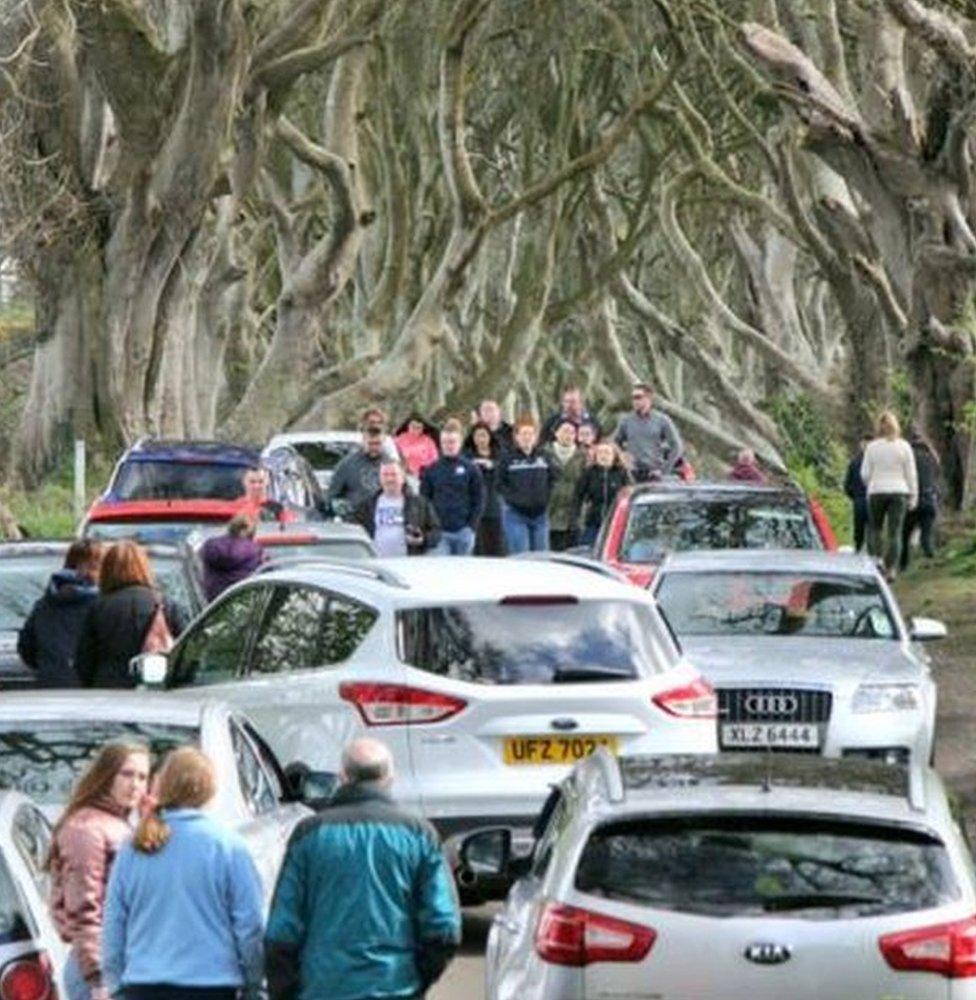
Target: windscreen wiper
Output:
{"points": [[570, 674], [815, 900]]}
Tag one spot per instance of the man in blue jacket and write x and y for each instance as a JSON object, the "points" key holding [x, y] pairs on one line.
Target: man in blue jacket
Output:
{"points": [[365, 907], [454, 486]]}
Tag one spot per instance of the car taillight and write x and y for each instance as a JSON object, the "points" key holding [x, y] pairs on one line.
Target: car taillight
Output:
{"points": [[27, 978], [691, 701], [567, 935], [946, 949], [399, 704]]}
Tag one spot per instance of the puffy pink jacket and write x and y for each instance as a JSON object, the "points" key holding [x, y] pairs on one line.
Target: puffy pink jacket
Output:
{"points": [[84, 850], [418, 451]]}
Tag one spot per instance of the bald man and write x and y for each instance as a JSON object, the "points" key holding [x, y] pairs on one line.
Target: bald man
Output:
{"points": [[365, 907]]}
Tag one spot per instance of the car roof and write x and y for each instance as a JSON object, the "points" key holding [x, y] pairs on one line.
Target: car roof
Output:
{"points": [[325, 437], [769, 783], [667, 489], [449, 579], [215, 452], [769, 560], [107, 706], [58, 547]]}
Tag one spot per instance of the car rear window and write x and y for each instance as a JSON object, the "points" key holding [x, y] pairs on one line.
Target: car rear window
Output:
{"points": [[534, 643], [178, 481], [324, 457], [339, 549], [13, 925], [22, 581], [44, 759], [756, 865], [683, 523], [782, 604], [147, 532]]}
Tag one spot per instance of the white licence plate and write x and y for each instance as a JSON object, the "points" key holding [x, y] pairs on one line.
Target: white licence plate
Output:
{"points": [[769, 734]]}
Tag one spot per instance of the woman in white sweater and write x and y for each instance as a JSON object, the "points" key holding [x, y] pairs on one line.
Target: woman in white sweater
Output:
{"points": [[889, 473]]}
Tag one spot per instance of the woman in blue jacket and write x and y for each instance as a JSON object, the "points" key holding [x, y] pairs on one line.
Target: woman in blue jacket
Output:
{"points": [[183, 916]]}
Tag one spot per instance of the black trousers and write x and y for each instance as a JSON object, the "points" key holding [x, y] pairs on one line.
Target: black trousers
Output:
{"points": [[860, 525], [559, 541], [886, 521], [490, 539], [922, 517], [167, 991]]}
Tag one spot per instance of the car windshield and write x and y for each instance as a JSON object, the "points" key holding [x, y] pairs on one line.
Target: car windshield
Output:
{"points": [[321, 548], [682, 523], [146, 480], [173, 582], [781, 604], [325, 456], [44, 759], [536, 642], [13, 926], [753, 865], [23, 580], [147, 532]]}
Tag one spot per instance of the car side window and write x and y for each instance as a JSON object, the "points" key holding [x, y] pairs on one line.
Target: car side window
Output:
{"points": [[214, 651], [259, 789], [270, 763], [288, 638], [344, 628], [32, 837], [550, 833]]}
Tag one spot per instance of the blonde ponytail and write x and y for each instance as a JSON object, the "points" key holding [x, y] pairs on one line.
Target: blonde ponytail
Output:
{"points": [[186, 781]]}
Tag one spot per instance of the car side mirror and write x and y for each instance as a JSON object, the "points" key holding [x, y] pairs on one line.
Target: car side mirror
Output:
{"points": [[927, 629], [149, 669], [314, 788], [486, 856]]}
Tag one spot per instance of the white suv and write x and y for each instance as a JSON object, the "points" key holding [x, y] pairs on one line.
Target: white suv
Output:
{"points": [[487, 678]]}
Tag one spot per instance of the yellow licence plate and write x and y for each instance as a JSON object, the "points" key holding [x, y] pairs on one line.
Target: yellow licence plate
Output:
{"points": [[553, 749]]}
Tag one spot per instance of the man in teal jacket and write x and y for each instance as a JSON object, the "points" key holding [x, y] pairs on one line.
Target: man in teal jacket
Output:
{"points": [[365, 907]]}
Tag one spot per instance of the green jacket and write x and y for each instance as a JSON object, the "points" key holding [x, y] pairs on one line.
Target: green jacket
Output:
{"points": [[564, 489]]}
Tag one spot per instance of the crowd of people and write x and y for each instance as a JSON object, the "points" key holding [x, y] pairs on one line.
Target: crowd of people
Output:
{"points": [[494, 488], [158, 900]]}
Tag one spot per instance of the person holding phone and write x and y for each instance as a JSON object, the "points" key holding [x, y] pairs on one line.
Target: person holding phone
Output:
{"points": [[399, 521]]}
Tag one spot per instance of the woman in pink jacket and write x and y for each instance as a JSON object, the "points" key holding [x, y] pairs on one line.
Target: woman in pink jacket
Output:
{"points": [[416, 441], [92, 828]]}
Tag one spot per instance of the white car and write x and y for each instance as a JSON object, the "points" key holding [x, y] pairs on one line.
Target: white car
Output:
{"points": [[487, 678], [47, 738], [324, 450], [31, 952]]}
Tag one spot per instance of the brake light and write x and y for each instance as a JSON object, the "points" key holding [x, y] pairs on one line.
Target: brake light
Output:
{"points": [[399, 704], [27, 978], [946, 949], [691, 701], [568, 935], [537, 600]]}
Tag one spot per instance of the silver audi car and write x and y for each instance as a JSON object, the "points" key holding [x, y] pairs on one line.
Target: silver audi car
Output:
{"points": [[735, 877], [807, 652]]}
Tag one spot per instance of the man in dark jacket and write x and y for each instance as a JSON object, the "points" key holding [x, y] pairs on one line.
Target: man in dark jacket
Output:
{"points": [[927, 470], [399, 522], [357, 477], [453, 485], [525, 480], [231, 557], [573, 411], [365, 904], [855, 489], [49, 637]]}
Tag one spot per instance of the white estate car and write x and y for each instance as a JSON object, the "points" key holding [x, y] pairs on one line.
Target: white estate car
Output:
{"points": [[31, 952], [324, 450], [47, 738], [487, 678]]}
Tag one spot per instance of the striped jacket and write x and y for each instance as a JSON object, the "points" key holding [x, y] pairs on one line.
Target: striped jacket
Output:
{"points": [[365, 905]]}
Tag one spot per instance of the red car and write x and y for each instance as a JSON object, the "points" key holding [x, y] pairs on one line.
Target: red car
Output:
{"points": [[650, 520]]}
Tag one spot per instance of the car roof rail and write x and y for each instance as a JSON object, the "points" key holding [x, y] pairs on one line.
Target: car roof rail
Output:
{"points": [[571, 559], [600, 773], [362, 568]]}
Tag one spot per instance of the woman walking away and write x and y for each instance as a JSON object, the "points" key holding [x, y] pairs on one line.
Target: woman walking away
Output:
{"points": [[118, 624], [597, 488], [183, 919], [923, 517], [483, 450], [84, 844], [888, 471]]}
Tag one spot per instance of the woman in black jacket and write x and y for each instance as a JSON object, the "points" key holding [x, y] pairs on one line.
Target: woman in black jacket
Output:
{"points": [[117, 624], [484, 451], [597, 488], [928, 469]]}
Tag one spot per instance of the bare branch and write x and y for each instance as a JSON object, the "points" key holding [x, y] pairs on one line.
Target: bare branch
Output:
{"points": [[939, 31]]}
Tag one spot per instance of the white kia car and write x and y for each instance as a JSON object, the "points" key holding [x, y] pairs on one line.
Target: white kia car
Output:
{"points": [[488, 678], [47, 738]]}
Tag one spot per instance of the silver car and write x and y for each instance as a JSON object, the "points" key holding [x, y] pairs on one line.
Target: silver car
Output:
{"points": [[736, 877], [31, 952], [807, 652], [47, 738]]}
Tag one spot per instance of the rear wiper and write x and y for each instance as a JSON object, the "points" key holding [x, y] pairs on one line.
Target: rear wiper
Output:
{"points": [[813, 900], [570, 674]]}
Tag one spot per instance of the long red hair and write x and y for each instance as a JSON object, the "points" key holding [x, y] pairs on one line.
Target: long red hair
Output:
{"points": [[125, 565]]}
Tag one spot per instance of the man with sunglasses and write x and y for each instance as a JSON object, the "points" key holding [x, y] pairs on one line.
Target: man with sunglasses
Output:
{"points": [[649, 438]]}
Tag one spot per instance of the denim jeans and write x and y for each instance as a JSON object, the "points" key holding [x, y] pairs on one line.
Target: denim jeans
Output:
{"points": [[455, 543], [525, 532], [74, 982]]}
